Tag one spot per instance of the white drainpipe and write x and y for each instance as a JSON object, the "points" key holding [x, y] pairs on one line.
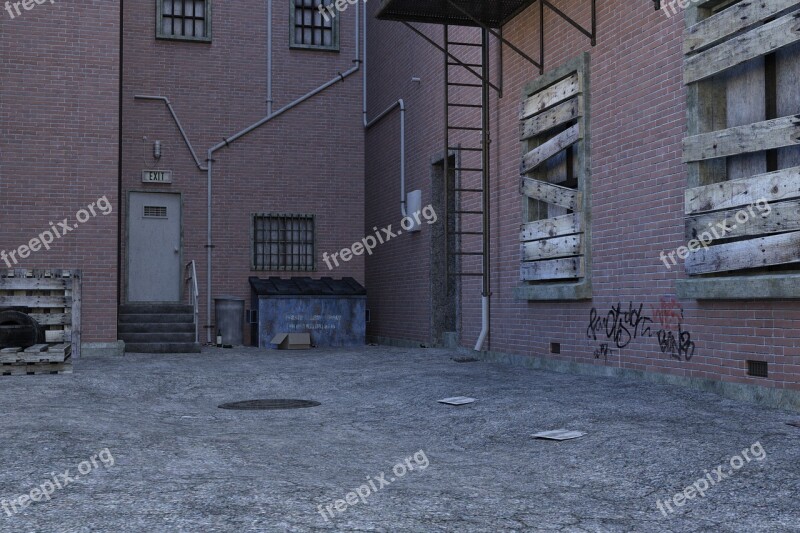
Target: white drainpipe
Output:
{"points": [[369, 123]]}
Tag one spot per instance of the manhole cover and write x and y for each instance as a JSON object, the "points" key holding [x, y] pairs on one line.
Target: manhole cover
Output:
{"points": [[269, 405]]}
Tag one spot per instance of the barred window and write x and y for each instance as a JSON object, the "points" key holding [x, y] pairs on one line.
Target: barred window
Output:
{"points": [[283, 242], [184, 19], [314, 27]]}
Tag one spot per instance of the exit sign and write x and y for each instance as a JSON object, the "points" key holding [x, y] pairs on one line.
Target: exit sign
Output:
{"points": [[156, 176]]}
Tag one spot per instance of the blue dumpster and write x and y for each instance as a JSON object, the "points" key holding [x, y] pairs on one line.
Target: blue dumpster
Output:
{"points": [[332, 311]]}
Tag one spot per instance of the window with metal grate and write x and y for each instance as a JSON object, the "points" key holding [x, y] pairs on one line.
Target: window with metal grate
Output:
{"points": [[311, 29], [283, 242], [184, 20]]}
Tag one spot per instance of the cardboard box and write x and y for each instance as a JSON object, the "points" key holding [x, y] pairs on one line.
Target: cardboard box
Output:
{"points": [[292, 341]]}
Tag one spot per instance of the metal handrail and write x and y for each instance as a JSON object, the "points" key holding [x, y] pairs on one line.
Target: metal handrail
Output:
{"points": [[194, 297]]}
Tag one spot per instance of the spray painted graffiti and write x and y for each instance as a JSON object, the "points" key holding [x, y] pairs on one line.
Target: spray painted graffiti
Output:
{"points": [[620, 326], [603, 351], [672, 339]]}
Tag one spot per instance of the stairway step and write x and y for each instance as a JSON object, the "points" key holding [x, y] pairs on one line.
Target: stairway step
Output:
{"points": [[162, 347], [174, 318], [156, 327], [155, 308], [157, 337]]}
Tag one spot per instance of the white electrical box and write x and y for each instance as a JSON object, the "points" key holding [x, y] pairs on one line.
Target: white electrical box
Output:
{"points": [[414, 210]]}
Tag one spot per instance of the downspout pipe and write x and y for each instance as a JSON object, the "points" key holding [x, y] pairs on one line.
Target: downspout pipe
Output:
{"points": [[485, 185], [177, 122], [270, 100], [369, 123]]}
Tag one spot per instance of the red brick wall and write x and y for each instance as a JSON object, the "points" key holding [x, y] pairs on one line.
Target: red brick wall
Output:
{"points": [[310, 160], [638, 121], [59, 87]]}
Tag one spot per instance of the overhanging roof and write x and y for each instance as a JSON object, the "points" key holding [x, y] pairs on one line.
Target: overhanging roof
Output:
{"points": [[493, 14]]}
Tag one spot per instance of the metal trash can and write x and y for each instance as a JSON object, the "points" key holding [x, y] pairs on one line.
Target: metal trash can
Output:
{"points": [[333, 312], [230, 320]]}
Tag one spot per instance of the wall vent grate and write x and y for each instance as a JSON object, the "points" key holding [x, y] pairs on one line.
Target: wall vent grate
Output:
{"points": [[155, 211], [555, 347], [758, 369]]}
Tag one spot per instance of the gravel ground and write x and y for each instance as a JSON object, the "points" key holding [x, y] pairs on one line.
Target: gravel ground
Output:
{"points": [[182, 464]]}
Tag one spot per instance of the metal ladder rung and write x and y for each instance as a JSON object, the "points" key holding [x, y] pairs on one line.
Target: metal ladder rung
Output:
{"points": [[468, 169], [463, 84], [464, 128], [465, 233], [459, 43], [467, 190], [466, 253], [465, 274], [468, 212], [473, 106], [465, 149], [472, 65]]}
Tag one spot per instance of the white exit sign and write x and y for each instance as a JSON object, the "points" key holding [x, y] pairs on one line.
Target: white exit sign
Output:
{"points": [[156, 176]]}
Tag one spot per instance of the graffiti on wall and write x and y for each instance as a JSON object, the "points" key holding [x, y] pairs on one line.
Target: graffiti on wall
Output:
{"points": [[672, 338], [620, 326]]}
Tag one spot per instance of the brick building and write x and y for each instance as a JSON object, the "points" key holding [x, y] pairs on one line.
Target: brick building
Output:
{"points": [[136, 105]]}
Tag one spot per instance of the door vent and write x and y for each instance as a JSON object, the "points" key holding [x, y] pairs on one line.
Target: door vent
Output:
{"points": [[758, 369], [155, 211], [555, 347]]}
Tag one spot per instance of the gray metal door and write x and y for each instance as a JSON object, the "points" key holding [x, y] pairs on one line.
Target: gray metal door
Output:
{"points": [[154, 247]]}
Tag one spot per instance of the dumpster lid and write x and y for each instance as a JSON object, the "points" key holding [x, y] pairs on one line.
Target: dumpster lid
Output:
{"points": [[304, 286]]}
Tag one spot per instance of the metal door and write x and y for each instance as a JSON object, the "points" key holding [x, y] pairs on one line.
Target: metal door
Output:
{"points": [[154, 247]]}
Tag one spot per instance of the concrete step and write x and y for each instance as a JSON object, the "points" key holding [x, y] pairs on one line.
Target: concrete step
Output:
{"points": [[137, 338], [162, 347], [155, 308], [161, 318], [156, 327]]}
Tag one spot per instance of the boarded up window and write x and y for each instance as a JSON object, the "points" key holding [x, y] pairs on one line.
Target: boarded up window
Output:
{"points": [[554, 122], [742, 63]]}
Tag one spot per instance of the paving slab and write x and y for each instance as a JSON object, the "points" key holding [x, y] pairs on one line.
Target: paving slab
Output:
{"points": [[182, 464]]}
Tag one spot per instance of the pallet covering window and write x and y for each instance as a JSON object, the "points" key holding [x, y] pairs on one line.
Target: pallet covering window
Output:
{"points": [[313, 29], [742, 205], [283, 242], [554, 236], [184, 19]]}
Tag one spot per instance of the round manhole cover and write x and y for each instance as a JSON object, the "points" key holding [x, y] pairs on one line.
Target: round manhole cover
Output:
{"points": [[269, 405]]}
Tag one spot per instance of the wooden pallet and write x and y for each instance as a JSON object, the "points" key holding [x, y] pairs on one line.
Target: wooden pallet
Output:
{"points": [[41, 353], [54, 300], [35, 369]]}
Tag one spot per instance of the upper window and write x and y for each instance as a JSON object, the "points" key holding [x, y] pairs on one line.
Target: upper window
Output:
{"points": [[184, 19], [313, 26]]}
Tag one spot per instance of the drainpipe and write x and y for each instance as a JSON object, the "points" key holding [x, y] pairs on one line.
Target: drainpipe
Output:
{"points": [[269, 57], [369, 123], [177, 123], [228, 141]]}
